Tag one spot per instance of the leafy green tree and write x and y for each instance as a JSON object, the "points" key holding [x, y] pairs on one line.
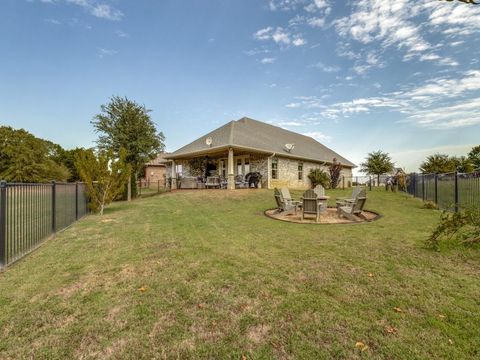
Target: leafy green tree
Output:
{"points": [[67, 159], [474, 156], [124, 124], [441, 164], [438, 164], [104, 174], [26, 158], [463, 164], [319, 177], [377, 163]]}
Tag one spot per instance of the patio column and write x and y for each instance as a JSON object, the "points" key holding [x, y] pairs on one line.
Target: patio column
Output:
{"points": [[231, 172], [174, 176]]}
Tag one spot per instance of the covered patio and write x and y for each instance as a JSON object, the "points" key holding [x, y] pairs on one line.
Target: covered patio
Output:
{"points": [[219, 168]]}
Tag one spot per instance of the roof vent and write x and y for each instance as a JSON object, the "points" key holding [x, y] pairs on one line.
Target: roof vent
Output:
{"points": [[289, 147], [208, 141]]}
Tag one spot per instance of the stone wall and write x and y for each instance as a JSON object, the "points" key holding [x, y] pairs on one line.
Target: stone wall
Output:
{"points": [[260, 163], [287, 171], [288, 174]]}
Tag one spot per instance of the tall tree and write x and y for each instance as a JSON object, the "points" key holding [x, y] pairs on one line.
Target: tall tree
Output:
{"points": [[104, 174], [124, 124], [442, 163], [26, 158], [474, 156], [463, 164], [438, 164], [377, 163]]}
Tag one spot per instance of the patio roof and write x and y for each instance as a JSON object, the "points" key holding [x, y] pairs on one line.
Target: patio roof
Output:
{"points": [[257, 136]]}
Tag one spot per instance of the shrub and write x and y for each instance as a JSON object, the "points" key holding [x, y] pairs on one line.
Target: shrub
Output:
{"points": [[334, 169], [430, 205], [462, 226], [319, 177]]}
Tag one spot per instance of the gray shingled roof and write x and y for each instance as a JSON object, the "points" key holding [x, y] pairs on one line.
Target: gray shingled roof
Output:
{"points": [[255, 135]]}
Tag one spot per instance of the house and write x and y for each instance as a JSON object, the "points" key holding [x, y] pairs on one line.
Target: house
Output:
{"points": [[155, 170], [282, 157]]}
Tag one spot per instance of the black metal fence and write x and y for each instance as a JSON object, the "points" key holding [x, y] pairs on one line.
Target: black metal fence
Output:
{"points": [[30, 213], [450, 191]]}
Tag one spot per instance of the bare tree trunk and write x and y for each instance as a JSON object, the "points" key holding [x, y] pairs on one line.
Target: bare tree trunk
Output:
{"points": [[378, 179], [129, 189]]}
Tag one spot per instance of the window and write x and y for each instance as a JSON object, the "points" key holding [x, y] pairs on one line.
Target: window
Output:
{"points": [[223, 168], [274, 169], [179, 169], [300, 171], [247, 166], [239, 167]]}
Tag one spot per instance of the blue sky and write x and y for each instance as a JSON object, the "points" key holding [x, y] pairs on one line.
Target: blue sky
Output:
{"points": [[401, 76]]}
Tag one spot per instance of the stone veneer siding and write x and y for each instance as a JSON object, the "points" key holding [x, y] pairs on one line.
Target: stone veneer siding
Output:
{"points": [[287, 171]]}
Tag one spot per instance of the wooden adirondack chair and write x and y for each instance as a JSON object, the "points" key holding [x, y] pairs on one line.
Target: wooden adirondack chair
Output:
{"points": [[343, 201], [311, 204], [354, 209], [319, 190], [288, 198], [286, 207]]}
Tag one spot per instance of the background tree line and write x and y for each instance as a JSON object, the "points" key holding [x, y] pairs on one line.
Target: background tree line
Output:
{"points": [[26, 158], [127, 140]]}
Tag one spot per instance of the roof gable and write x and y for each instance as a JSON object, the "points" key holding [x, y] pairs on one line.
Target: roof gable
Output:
{"points": [[260, 136]]}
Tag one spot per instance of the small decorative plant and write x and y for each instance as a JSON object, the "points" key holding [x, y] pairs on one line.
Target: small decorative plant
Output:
{"points": [[462, 226], [319, 177]]}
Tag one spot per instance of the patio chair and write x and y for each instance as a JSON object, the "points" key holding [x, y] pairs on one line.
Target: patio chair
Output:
{"points": [[319, 190], [343, 201], [240, 182], [353, 209], [311, 204], [213, 181], [283, 206], [288, 198], [188, 182]]}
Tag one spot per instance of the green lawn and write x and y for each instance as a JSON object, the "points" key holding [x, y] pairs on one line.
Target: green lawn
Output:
{"points": [[203, 274]]}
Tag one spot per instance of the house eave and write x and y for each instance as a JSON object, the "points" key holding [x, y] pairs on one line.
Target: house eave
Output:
{"points": [[243, 148]]}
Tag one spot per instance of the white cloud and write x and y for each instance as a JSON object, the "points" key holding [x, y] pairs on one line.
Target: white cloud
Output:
{"points": [[122, 34], [280, 36], [299, 41], [263, 34], [53, 21], [284, 5], [319, 136], [94, 7], [102, 52], [267, 60], [438, 104], [403, 24], [327, 68], [316, 22]]}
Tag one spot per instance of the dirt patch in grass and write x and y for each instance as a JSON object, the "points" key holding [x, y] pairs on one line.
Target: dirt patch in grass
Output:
{"points": [[258, 333]]}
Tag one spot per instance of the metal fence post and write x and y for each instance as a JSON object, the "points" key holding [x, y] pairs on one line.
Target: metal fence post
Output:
{"points": [[436, 188], [54, 208], [414, 182], [76, 201], [3, 223], [456, 191], [423, 187]]}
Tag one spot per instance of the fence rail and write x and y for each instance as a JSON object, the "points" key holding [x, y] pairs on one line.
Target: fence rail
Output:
{"points": [[450, 191], [30, 213]]}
